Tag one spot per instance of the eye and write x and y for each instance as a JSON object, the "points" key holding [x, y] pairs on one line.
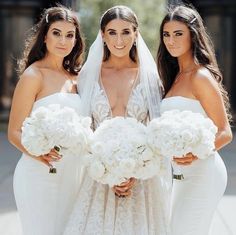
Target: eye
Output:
{"points": [[126, 32], [165, 34], [56, 33], [70, 35], [179, 34], [112, 33]]}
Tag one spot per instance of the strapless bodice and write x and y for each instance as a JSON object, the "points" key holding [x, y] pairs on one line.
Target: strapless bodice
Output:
{"points": [[182, 103], [71, 100]]}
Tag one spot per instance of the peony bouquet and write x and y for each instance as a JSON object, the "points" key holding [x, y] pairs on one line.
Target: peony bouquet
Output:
{"points": [[119, 151], [56, 127], [177, 133]]}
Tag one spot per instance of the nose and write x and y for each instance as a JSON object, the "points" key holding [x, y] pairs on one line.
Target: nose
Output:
{"points": [[119, 40], [62, 40], [170, 40]]}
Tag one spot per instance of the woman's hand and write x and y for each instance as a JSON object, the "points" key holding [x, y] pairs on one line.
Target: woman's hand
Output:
{"points": [[52, 156], [186, 160], [124, 189]]}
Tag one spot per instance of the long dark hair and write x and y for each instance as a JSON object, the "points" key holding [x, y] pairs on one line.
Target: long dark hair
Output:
{"points": [[123, 13], [202, 49], [35, 48]]}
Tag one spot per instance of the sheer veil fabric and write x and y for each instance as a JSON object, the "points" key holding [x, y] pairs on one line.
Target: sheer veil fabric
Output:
{"points": [[89, 77]]}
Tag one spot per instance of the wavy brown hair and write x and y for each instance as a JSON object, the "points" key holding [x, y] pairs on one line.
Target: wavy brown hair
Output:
{"points": [[123, 13], [35, 47], [202, 49]]}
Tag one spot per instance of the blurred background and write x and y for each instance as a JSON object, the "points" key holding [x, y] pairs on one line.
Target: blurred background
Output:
{"points": [[18, 16]]}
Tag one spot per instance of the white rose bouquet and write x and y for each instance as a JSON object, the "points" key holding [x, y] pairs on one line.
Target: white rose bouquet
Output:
{"points": [[119, 151], [56, 127], [177, 133]]}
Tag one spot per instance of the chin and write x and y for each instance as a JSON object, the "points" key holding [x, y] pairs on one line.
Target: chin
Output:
{"points": [[121, 55], [173, 54], [62, 55]]}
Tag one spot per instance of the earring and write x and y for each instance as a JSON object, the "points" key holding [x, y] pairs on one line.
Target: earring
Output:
{"points": [[134, 44], [67, 62], [104, 44]]}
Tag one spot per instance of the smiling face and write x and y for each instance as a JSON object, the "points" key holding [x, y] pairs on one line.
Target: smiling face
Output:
{"points": [[119, 36], [177, 38], [60, 38]]}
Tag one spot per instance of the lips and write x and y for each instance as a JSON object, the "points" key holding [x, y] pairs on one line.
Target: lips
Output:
{"points": [[61, 48], [119, 48], [173, 48]]}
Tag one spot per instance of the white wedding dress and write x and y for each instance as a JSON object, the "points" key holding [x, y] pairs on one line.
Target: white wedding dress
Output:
{"points": [[97, 210], [44, 200], [195, 198]]}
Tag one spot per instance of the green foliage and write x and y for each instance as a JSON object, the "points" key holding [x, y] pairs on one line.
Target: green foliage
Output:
{"points": [[149, 13]]}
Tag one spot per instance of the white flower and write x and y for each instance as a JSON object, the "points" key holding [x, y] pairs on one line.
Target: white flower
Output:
{"points": [[177, 133], [55, 125], [96, 169], [120, 145]]}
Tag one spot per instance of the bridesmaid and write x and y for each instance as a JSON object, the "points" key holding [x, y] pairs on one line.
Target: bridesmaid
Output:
{"points": [[192, 81], [49, 70]]}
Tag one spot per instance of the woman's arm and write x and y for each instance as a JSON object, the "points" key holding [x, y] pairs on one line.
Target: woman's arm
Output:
{"points": [[27, 88], [206, 89], [25, 94]]}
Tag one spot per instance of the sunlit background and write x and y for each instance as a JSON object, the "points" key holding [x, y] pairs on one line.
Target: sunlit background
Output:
{"points": [[18, 16]]}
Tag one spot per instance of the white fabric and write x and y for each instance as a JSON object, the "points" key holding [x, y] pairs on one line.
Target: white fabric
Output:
{"points": [[90, 72], [195, 198], [137, 106], [98, 211], [44, 200], [148, 77]]}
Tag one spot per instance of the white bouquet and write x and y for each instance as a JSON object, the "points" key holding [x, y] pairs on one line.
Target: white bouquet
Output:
{"points": [[58, 126], [177, 133], [119, 151]]}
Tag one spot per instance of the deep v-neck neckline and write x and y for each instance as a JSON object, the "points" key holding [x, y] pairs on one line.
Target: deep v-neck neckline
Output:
{"points": [[129, 96]]}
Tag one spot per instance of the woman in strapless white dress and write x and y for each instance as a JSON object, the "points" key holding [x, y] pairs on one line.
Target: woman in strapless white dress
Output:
{"points": [[192, 81], [48, 76]]}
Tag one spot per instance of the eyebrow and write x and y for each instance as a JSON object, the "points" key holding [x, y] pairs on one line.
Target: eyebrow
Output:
{"points": [[176, 31], [115, 30], [71, 31]]}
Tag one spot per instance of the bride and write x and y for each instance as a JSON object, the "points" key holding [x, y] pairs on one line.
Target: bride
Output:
{"points": [[120, 79], [49, 69]]}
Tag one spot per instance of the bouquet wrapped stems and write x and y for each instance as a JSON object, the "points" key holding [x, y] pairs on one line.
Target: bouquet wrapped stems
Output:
{"points": [[178, 133], [58, 128], [52, 169], [177, 171]]}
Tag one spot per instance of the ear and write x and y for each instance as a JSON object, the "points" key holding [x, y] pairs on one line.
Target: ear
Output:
{"points": [[103, 35], [136, 34]]}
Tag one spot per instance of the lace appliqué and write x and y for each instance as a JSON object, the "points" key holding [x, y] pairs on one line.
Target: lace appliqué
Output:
{"points": [[137, 106], [97, 210]]}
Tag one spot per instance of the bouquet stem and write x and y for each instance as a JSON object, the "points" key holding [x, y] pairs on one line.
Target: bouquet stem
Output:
{"points": [[177, 171], [52, 169]]}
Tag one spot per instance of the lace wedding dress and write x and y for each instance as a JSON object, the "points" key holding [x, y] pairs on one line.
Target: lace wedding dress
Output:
{"points": [[44, 200], [195, 198], [97, 210]]}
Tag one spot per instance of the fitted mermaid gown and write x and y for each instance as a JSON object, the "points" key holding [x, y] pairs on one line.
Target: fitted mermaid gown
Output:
{"points": [[195, 198], [97, 209], [44, 201]]}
